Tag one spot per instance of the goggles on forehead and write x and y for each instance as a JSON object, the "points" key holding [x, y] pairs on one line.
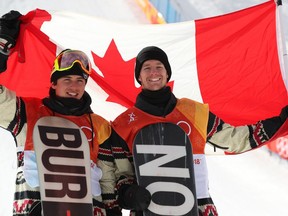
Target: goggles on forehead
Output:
{"points": [[68, 58]]}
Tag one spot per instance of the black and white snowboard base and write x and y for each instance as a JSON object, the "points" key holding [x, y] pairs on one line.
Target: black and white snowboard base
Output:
{"points": [[163, 162], [63, 161]]}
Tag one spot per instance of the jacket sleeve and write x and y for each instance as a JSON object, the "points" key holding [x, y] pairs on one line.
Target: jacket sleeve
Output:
{"points": [[7, 107], [241, 138], [13, 115], [114, 161]]}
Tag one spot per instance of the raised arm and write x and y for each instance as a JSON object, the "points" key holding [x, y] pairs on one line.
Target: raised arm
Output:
{"points": [[11, 106], [243, 138]]}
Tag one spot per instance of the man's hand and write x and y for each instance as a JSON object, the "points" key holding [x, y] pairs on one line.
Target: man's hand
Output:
{"points": [[134, 197], [9, 31]]}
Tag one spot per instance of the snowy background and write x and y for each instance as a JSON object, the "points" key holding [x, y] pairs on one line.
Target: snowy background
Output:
{"points": [[250, 184]]}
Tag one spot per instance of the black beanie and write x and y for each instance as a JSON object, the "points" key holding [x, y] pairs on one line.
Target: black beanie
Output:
{"points": [[151, 53]]}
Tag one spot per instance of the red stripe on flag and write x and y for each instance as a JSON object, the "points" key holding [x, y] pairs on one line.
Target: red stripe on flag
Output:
{"points": [[238, 65]]}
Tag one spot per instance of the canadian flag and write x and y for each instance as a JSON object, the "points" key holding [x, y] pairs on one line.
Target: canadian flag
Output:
{"points": [[232, 62]]}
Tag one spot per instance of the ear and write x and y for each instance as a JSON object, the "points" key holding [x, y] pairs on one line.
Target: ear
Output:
{"points": [[53, 85], [167, 77]]}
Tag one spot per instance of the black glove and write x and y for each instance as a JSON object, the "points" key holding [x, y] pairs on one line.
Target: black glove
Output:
{"points": [[9, 30], [284, 113], [113, 212], [3, 62], [134, 197]]}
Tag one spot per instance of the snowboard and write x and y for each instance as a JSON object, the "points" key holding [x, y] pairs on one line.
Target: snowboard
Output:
{"points": [[163, 161], [63, 162]]}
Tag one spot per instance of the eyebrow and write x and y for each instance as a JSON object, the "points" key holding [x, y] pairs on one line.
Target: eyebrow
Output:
{"points": [[148, 64]]}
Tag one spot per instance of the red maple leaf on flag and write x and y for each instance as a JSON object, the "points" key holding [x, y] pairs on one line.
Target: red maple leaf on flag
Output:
{"points": [[118, 76]]}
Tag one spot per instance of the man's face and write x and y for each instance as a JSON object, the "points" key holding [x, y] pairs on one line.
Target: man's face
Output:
{"points": [[71, 86], [153, 75]]}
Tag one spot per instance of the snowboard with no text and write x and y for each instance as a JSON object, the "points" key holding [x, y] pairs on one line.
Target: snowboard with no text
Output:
{"points": [[63, 161], [163, 162]]}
